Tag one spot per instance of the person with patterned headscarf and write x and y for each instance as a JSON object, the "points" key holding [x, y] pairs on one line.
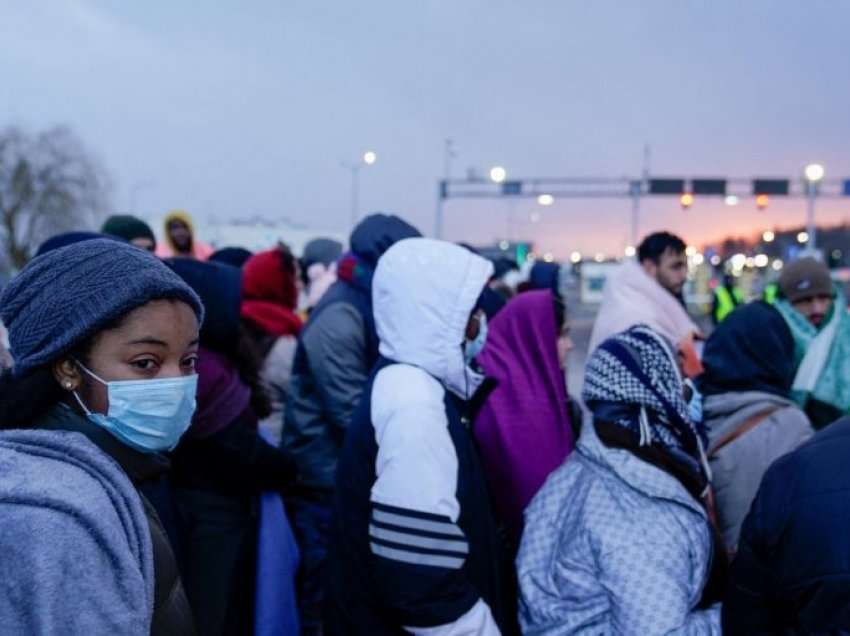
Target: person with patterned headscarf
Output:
{"points": [[618, 540]]}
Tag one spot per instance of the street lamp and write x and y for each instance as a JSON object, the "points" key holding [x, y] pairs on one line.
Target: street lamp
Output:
{"points": [[813, 174], [768, 236], [498, 174], [368, 159], [545, 200]]}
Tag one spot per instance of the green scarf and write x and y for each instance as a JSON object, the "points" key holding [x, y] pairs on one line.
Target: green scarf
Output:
{"points": [[832, 386]]}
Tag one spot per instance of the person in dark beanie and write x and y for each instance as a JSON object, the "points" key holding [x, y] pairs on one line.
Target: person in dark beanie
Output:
{"points": [[67, 238], [104, 338], [336, 351], [133, 230], [318, 269], [816, 312]]}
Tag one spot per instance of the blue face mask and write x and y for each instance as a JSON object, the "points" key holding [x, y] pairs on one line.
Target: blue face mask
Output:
{"points": [[148, 415], [473, 347], [695, 403]]}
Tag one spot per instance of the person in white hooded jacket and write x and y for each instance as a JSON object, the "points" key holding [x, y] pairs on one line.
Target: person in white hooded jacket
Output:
{"points": [[413, 545]]}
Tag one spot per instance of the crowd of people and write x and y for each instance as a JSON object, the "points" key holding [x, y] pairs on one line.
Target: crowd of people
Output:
{"points": [[381, 441]]}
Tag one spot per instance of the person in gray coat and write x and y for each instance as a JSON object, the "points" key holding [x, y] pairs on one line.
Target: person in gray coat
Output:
{"points": [[336, 351], [747, 409]]}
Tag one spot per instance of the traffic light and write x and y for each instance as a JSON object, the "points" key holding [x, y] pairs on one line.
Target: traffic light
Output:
{"points": [[686, 200], [761, 201]]}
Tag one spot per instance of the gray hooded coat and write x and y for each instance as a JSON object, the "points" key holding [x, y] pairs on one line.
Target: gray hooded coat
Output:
{"points": [[75, 542], [739, 466]]}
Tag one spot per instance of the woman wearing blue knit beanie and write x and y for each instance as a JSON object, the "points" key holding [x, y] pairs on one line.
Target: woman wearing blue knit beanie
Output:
{"points": [[104, 339]]}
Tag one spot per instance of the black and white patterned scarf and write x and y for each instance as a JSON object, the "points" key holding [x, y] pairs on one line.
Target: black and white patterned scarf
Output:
{"points": [[633, 380]]}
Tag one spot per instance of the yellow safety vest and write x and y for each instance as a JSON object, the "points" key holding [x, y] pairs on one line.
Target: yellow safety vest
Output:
{"points": [[771, 293], [726, 302]]}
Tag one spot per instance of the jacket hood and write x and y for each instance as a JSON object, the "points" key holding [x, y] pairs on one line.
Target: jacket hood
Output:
{"points": [[423, 294], [376, 234], [220, 289], [751, 350], [177, 215], [725, 412]]}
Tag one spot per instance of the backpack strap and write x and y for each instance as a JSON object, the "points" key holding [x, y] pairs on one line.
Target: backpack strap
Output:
{"points": [[745, 426]]}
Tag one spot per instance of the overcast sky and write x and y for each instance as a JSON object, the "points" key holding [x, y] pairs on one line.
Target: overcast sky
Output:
{"points": [[232, 109]]}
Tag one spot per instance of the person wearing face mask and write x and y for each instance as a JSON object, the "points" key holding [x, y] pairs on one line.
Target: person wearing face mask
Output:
{"points": [[619, 539], [747, 407], [411, 511], [104, 338], [524, 430]]}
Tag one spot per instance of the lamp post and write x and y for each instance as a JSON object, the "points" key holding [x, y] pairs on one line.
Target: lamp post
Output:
{"points": [[813, 174], [368, 159]]}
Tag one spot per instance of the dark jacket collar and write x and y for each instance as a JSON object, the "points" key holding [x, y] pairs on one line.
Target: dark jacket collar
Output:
{"points": [[139, 467]]}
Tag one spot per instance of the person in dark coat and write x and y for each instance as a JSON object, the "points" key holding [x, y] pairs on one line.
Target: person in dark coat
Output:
{"points": [[223, 464], [104, 338], [336, 351], [235, 256], [792, 571], [414, 548]]}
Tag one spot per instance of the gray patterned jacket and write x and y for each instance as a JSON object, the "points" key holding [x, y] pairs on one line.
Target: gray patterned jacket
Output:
{"points": [[614, 545]]}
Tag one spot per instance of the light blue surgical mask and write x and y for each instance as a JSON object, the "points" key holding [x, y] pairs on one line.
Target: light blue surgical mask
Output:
{"points": [[473, 347], [695, 403], [148, 415]]}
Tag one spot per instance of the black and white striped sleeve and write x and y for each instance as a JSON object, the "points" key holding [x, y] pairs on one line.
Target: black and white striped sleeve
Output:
{"points": [[418, 549]]}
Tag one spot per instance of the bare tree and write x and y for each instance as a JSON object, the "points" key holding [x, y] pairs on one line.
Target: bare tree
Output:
{"points": [[49, 183]]}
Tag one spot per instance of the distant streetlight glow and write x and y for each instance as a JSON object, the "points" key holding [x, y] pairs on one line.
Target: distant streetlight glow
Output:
{"points": [[778, 264], [738, 261], [545, 200], [686, 200], [548, 258], [369, 158], [575, 258], [690, 250], [630, 251], [699, 259], [599, 258], [716, 260], [761, 260], [504, 245], [803, 237], [731, 200], [768, 236], [498, 174], [814, 172], [761, 201]]}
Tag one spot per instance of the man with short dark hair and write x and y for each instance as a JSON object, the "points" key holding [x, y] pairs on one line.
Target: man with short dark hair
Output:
{"points": [[816, 313], [662, 256], [649, 290]]}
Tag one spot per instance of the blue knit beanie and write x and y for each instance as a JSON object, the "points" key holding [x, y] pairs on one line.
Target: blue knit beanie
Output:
{"points": [[66, 296]]}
